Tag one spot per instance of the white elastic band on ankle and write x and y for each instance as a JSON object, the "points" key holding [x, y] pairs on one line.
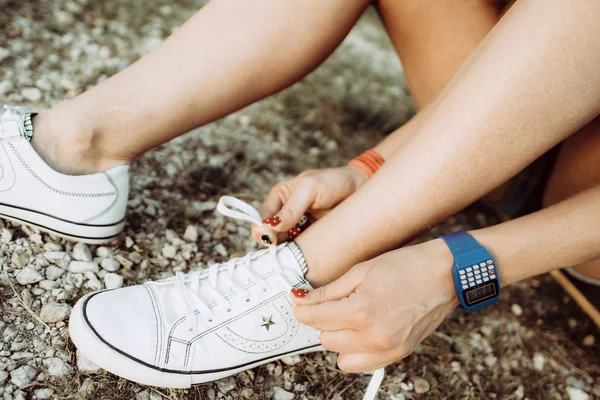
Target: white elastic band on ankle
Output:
{"points": [[243, 211]]}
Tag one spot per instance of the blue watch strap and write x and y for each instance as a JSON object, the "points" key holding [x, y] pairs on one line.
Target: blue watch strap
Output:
{"points": [[460, 242]]}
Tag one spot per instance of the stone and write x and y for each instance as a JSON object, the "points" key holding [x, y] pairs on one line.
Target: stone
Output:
{"points": [[113, 281], [221, 250], [22, 375], [577, 394], [4, 53], [57, 367], [5, 236], [281, 394], [191, 233], [28, 276], [58, 258], [32, 94], [516, 310], [539, 361], [589, 340], [421, 385], [169, 251], [85, 366], [55, 312], [80, 267], [291, 360], [19, 259], [81, 252], [48, 284], [110, 265], [93, 282], [53, 272], [104, 252], [44, 393]]}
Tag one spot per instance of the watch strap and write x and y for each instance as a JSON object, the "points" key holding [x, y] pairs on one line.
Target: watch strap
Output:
{"points": [[460, 242]]}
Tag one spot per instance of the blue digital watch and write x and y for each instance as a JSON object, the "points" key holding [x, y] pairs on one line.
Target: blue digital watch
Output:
{"points": [[474, 272]]}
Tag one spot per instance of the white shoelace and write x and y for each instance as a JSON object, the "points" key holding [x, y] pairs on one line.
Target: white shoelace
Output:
{"points": [[189, 284]]}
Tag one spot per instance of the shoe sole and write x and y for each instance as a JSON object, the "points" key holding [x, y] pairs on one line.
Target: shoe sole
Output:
{"points": [[78, 232], [101, 354]]}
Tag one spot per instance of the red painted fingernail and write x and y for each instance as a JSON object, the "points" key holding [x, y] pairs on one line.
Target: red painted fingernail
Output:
{"points": [[292, 233], [300, 293], [273, 221]]}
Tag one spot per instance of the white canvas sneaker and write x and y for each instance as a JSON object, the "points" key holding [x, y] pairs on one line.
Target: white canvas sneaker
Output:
{"points": [[201, 326], [86, 208], [198, 327]]}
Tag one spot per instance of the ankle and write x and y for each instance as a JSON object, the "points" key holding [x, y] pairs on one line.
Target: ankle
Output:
{"points": [[68, 149]]}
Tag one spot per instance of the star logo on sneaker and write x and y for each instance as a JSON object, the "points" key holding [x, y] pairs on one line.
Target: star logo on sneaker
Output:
{"points": [[267, 322]]}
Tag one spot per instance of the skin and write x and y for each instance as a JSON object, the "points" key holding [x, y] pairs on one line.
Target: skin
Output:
{"points": [[505, 99], [381, 309]]}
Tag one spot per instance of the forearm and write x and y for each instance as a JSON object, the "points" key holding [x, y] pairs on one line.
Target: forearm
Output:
{"points": [[531, 84], [563, 235]]}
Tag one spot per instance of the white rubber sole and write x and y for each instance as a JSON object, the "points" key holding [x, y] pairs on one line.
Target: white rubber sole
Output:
{"points": [[86, 233], [116, 363]]}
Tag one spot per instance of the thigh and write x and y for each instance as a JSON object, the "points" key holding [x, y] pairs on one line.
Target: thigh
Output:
{"points": [[434, 37], [577, 167]]}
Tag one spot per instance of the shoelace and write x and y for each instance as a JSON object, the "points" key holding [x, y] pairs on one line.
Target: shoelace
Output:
{"points": [[189, 284]]}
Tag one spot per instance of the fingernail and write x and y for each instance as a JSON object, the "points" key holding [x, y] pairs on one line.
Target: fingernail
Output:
{"points": [[300, 293], [273, 221], [303, 221], [292, 233], [266, 239]]}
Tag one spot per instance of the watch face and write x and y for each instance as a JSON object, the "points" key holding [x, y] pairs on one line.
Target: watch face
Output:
{"points": [[480, 293]]}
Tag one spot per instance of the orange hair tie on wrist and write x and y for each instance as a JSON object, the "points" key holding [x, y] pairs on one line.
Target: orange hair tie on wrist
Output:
{"points": [[369, 161]]}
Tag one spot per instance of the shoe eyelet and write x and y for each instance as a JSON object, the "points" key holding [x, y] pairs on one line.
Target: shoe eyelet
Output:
{"points": [[190, 330], [210, 321], [249, 299], [229, 310]]}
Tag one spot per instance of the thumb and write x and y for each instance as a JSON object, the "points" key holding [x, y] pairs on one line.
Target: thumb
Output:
{"points": [[342, 287], [295, 207]]}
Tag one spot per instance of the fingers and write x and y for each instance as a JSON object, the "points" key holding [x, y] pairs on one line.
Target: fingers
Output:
{"points": [[294, 208], [349, 341], [367, 362], [333, 315], [336, 290], [265, 235]]}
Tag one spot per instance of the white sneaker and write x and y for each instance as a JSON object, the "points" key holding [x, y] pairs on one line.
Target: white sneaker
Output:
{"points": [[198, 327], [86, 208]]}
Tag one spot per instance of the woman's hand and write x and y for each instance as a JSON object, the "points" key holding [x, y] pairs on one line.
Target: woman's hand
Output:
{"points": [[380, 310], [313, 192]]}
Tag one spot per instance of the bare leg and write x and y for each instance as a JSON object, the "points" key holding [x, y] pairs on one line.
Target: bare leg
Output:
{"points": [[432, 42], [470, 141], [576, 170], [225, 57]]}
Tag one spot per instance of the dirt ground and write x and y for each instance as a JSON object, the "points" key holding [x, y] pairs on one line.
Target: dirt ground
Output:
{"points": [[534, 344]]}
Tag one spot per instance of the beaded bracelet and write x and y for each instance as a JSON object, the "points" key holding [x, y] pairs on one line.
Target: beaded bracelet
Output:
{"points": [[369, 161]]}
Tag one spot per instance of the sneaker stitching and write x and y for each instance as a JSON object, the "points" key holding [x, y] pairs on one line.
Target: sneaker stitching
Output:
{"points": [[48, 186]]}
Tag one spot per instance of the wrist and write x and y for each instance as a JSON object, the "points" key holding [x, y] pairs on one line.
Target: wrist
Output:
{"points": [[357, 176], [442, 270]]}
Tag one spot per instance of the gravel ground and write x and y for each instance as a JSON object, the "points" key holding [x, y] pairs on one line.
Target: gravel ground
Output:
{"points": [[534, 344]]}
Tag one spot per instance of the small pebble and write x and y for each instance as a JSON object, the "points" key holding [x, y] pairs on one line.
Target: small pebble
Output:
{"points": [[28, 276], [517, 310], [589, 340], [80, 267], [54, 312], [577, 394], [81, 252], [421, 385], [113, 281]]}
